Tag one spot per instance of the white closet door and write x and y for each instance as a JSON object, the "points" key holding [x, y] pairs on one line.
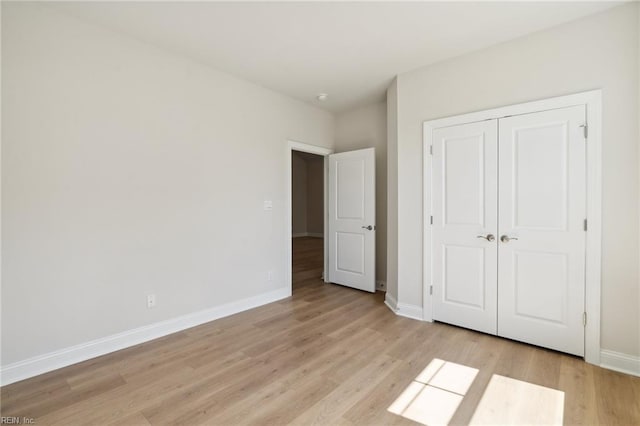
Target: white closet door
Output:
{"points": [[464, 222], [352, 219], [542, 209]]}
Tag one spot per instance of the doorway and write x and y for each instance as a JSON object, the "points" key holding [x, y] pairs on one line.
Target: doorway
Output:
{"points": [[307, 219], [349, 233], [295, 148]]}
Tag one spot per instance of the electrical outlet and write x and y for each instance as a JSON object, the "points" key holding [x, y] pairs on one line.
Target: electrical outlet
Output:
{"points": [[151, 301], [268, 205]]}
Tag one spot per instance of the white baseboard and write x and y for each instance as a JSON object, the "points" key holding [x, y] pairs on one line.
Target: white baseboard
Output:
{"points": [[403, 309], [623, 363], [410, 311], [61, 358], [391, 302], [308, 234], [629, 364], [381, 285]]}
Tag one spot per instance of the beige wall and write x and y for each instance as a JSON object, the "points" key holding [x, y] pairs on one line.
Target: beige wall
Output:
{"points": [[298, 194], [367, 128], [600, 51], [127, 170]]}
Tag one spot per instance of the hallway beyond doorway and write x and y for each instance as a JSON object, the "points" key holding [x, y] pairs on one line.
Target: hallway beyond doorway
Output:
{"points": [[308, 261]]}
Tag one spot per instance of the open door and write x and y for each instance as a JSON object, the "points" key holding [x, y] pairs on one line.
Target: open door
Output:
{"points": [[352, 225]]}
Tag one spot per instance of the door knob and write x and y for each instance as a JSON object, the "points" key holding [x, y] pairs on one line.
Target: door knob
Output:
{"points": [[369, 228], [506, 238], [488, 237]]}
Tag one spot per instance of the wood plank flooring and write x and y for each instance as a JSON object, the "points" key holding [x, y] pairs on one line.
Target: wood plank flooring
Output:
{"points": [[327, 355]]}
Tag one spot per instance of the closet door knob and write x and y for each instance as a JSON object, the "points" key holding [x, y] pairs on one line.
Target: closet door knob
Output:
{"points": [[506, 238], [488, 237]]}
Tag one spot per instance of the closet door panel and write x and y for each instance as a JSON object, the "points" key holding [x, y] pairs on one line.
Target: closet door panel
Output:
{"points": [[465, 210], [542, 207]]}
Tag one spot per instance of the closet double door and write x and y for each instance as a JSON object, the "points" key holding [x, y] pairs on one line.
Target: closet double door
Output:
{"points": [[508, 233]]}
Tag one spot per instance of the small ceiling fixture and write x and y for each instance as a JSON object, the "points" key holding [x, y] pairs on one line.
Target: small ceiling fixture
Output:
{"points": [[322, 97]]}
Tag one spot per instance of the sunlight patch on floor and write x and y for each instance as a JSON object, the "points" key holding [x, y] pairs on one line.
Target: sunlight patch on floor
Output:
{"points": [[434, 396], [514, 402]]}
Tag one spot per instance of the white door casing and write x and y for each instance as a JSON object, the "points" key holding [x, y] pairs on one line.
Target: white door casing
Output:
{"points": [[542, 193], [352, 219], [465, 226]]}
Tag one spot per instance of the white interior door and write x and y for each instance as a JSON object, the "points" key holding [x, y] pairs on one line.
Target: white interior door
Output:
{"points": [[352, 235], [542, 210], [464, 247]]}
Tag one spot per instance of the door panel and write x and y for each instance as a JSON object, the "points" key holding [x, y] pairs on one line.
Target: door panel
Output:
{"points": [[539, 272], [349, 187], [351, 212], [464, 207], [460, 287], [542, 204], [351, 247], [538, 163], [463, 173]]}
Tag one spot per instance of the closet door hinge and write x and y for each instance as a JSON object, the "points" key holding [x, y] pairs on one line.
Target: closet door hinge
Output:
{"points": [[584, 319], [430, 290], [584, 225], [430, 149], [585, 130], [431, 220]]}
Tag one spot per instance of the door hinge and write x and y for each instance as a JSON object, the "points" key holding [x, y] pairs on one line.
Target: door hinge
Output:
{"points": [[430, 149], [585, 130], [584, 319], [430, 290], [431, 220], [585, 224]]}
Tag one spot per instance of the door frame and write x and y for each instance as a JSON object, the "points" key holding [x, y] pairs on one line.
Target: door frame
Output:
{"points": [[311, 149], [593, 101]]}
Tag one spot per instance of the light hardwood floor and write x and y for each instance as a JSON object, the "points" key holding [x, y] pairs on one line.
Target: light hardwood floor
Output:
{"points": [[327, 355]]}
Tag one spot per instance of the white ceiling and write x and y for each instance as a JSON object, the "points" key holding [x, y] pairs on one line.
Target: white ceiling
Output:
{"points": [[349, 50]]}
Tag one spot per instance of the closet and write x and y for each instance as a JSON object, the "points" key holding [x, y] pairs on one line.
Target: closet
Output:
{"points": [[508, 204]]}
